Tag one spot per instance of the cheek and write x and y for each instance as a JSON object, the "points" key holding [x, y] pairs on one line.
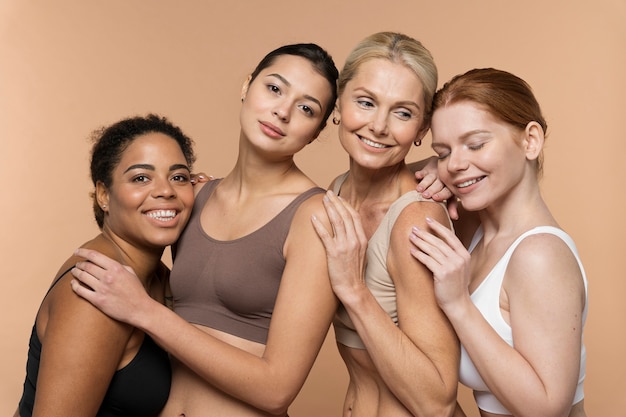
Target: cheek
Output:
{"points": [[353, 120], [442, 171], [187, 197], [307, 127], [130, 198], [404, 133]]}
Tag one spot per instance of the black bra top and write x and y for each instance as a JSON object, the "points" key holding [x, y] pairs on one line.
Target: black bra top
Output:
{"points": [[139, 389]]}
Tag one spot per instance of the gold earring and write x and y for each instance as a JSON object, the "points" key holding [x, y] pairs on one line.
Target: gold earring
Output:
{"points": [[417, 142], [336, 121]]}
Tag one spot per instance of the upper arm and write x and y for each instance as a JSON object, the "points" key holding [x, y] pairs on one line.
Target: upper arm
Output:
{"points": [[81, 349], [419, 316], [546, 295], [305, 304]]}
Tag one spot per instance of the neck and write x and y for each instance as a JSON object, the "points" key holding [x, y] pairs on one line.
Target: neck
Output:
{"points": [[143, 261], [257, 173], [520, 210], [386, 184]]}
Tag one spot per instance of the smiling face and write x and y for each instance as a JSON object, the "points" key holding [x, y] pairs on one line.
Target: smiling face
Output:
{"points": [[382, 113], [481, 158], [150, 197], [284, 107]]}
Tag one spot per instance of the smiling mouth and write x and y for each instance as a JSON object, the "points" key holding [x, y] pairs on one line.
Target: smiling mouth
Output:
{"points": [[470, 182], [372, 143], [162, 215]]}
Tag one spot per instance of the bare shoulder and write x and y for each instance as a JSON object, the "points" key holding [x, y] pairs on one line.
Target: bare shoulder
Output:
{"points": [[415, 214], [544, 261], [312, 206]]}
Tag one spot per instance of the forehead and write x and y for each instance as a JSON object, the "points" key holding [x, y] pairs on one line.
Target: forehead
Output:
{"points": [[458, 119], [392, 78], [152, 145], [463, 112], [301, 75]]}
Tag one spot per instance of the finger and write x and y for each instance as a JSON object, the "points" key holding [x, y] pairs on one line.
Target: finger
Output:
{"points": [[80, 289], [445, 234], [95, 257], [201, 177], [453, 208], [349, 216], [322, 232], [443, 194], [333, 207], [85, 277], [428, 243], [426, 260], [357, 224], [426, 181]]}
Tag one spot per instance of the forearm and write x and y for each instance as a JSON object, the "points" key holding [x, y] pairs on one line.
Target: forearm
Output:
{"points": [[507, 374], [422, 384], [259, 381]]}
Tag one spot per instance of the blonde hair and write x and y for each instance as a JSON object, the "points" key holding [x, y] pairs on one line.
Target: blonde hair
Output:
{"points": [[397, 48]]}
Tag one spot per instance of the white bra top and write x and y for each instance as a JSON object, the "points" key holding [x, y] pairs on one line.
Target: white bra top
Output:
{"points": [[487, 299]]}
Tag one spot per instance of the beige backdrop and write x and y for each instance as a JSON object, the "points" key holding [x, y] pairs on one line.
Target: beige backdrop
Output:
{"points": [[67, 67]]}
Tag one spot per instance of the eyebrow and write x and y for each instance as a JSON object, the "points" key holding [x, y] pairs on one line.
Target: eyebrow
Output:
{"points": [[400, 103], [465, 136], [151, 167], [288, 84]]}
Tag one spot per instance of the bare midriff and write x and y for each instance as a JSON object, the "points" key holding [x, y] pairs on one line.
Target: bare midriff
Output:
{"points": [[368, 395], [192, 396]]}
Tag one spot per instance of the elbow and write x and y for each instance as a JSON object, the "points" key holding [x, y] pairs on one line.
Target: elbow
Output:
{"points": [[443, 409], [558, 408], [444, 406], [277, 402]]}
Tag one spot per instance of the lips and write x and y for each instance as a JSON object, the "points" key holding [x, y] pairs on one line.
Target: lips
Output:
{"points": [[162, 215], [372, 143], [272, 130], [467, 183]]}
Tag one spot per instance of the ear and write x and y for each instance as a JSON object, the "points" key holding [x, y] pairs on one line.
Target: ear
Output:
{"points": [[533, 140], [244, 87], [102, 196], [422, 132]]}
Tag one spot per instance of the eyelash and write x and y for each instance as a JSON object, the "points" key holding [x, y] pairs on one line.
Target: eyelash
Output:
{"points": [[176, 178], [476, 147], [306, 109], [183, 177], [404, 115]]}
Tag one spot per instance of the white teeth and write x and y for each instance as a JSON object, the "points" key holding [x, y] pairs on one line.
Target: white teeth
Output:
{"points": [[374, 144], [468, 183], [162, 215]]}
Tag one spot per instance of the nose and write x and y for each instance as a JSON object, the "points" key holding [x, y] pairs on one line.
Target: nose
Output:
{"points": [[281, 110], [378, 124], [163, 188], [457, 161]]}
